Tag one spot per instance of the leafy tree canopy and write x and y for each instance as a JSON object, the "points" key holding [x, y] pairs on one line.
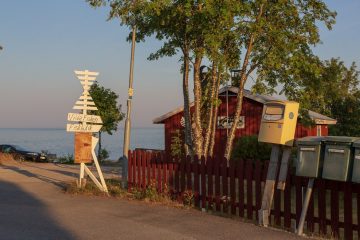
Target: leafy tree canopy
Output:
{"points": [[106, 102], [332, 90]]}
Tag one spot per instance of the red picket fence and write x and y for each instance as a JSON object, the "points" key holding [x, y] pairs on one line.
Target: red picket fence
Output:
{"points": [[236, 189]]}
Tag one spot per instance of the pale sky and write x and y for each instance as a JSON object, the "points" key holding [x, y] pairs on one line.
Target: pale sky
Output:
{"points": [[46, 40]]}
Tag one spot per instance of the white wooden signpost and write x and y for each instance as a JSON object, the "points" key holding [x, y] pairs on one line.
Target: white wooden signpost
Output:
{"points": [[87, 124]]}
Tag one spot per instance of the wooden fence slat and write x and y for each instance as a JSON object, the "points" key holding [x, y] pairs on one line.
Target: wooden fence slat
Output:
{"points": [[249, 189], [217, 183], [135, 169], [130, 166], [298, 193], [143, 169], [240, 176], [171, 175], [196, 181], [177, 175], [148, 168], [358, 209], [159, 172], [258, 194], [224, 179], [182, 173], [209, 168], [287, 202], [188, 174], [348, 232], [277, 206], [203, 182], [153, 166], [232, 187], [334, 209], [310, 214], [138, 165], [164, 180], [322, 206]]}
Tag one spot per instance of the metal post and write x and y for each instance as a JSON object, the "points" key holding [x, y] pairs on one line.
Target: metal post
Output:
{"points": [[305, 207], [128, 114]]}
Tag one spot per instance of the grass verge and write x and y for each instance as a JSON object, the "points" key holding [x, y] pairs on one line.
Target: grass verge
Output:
{"points": [[148, 194]]}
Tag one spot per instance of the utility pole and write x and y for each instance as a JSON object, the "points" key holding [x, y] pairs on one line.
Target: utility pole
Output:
{"points": [[128, 114]]}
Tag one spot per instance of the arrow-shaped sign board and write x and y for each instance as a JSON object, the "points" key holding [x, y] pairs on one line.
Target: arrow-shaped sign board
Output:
{"points": [[76, 117], [86, 72], [82, 128]]}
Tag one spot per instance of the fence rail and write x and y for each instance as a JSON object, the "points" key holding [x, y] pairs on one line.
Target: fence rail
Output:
{"points": [[236, 188]]}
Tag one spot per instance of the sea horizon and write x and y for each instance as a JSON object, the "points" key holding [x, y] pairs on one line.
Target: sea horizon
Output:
{"points": [[58, 141]]}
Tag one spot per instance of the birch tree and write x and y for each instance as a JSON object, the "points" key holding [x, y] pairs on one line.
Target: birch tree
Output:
{"points": [[271, 38]]}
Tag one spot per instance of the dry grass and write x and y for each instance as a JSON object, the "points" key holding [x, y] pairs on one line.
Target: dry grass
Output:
{"points": [[148, 195], [5, 157]]}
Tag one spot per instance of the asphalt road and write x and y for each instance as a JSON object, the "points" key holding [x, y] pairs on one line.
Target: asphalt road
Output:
{"points": [[33, 206]]}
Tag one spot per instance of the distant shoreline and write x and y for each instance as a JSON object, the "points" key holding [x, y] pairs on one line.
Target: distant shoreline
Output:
{"points": [[64, 128]]}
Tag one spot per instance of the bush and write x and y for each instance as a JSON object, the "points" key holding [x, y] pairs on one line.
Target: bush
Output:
{"points": [[103, 155], [66, 159], [248, 147]]}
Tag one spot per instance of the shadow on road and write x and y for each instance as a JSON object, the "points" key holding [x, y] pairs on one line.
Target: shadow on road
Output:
{"points": [[22, 216], [37, 176]]}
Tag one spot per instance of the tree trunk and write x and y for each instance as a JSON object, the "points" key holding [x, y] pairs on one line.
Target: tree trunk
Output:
{"points": [[214, 121], [210, 119], [198, 138], [243, 77], [99, 149], [231, 136], [187, 117]]}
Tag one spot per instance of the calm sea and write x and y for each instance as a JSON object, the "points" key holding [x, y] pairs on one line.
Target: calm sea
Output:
{"points": [[60, 142]]}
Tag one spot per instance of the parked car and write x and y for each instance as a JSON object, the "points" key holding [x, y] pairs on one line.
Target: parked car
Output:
{"points": [[20, 153]]}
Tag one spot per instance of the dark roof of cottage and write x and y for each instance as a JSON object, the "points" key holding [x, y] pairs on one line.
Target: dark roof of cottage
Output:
{"points": [[317, 117]]}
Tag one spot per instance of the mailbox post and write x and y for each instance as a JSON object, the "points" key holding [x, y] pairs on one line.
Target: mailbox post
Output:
{"points": [[310, 152], [278, 126], [331, 158]]}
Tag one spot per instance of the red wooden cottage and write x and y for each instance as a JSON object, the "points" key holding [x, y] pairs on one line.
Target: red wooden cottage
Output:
{"points": [[250, 119]]}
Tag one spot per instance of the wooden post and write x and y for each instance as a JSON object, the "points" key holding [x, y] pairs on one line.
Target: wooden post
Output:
{"points": [[305, 207], [268, 194], [284, 167]]}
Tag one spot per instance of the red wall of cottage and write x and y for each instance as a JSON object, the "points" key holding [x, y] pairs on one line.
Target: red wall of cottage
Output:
{"points": [[252, 111]]}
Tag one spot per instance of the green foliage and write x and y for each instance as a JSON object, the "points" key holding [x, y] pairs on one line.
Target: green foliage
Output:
{"points": [[248, 148], [176, 145], [66, 159], [332, 90], [272, 38], [106, 101], [347, 113], [104, 154], [151, 194]]}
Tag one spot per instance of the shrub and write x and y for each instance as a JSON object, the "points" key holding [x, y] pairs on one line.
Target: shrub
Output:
{"points": [[176, 145], [248, 147], [103, 155], [188, 198], [67, 159]]}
